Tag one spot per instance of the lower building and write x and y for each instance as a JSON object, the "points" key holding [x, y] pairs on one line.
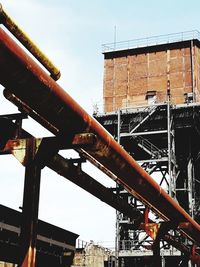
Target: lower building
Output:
{"points": [[55, 246], [92, 255]]}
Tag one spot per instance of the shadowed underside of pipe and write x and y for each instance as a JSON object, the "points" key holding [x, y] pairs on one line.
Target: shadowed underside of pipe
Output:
{"points": [[47, 102]]}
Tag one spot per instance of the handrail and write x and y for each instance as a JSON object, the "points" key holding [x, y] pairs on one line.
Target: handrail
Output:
{"points": [[150, 41], [134, 124], [154, 150], [9, 23]]}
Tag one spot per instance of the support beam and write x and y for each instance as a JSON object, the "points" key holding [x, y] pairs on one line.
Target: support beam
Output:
{"points": [[29, 222], [143, 133], [73, 173], [53, 144], [190, 173]]}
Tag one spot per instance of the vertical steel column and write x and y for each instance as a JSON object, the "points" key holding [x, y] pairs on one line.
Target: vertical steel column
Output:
{"points": [[29, 221], [169, 139], [162, 261], [190, 175], [171, 146], [118, 125], [117, 237]]}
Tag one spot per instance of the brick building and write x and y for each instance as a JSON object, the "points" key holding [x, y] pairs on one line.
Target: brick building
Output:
{"points": [[138, 76], [151, 100]]}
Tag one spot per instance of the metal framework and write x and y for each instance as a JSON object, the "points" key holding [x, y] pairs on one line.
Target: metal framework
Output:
{"points": [[35, 93], [155, 135]]}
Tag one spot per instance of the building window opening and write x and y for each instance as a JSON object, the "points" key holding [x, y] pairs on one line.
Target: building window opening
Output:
{"points": [[151, 97], [188, 97]]}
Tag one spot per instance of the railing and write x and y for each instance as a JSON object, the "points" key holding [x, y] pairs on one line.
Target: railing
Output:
{"points": [[139, 119], [135, 244], [81, 243], [149, 41], [144, 245], [153, 150]]}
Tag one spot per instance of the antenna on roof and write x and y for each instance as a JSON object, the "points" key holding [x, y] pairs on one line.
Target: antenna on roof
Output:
{"points": [[115, 36]]}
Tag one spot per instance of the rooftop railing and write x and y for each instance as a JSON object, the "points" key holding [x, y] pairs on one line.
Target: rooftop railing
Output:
{"points": [[150, 41]]}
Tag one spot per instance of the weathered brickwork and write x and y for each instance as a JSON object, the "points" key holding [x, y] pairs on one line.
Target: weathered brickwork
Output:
{"points": [[130, 75]]}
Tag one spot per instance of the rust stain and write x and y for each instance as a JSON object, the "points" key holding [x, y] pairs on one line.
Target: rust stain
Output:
{"points": [[29, 259]]}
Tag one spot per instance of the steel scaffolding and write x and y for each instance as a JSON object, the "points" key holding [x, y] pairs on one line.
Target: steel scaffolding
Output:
{"points": [[153, 135]]}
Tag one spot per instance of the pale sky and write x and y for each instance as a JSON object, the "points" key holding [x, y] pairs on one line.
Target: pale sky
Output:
{"points": [[71, 34]]}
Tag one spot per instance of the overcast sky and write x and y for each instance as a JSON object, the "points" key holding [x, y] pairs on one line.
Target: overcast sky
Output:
{"points": [[71, 34]]}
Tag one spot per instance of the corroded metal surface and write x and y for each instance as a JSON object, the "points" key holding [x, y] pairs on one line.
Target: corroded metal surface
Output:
{"points": [[18, 147], [29, 222], [28, 82]]}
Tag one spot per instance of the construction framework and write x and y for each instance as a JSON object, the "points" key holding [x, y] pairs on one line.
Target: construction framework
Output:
{"points": [[148, 133], [37, 94], [151, 103]]}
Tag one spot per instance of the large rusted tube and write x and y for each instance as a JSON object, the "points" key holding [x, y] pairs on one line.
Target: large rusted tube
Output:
{"points": [[86, 182], [9, 23], [28, 82]]}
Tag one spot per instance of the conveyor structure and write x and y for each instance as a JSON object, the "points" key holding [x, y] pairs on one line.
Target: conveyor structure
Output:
{"points": [[37, 94]]}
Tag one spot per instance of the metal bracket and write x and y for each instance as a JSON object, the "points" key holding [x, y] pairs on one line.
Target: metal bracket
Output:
{"points": [[10, 127], [45, 148]]}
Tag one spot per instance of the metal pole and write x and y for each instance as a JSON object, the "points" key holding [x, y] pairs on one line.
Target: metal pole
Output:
{"points": [[162, 261], [117, 240], [117, 237], [115, 36], [28, 235], [118, 125], [192, 70], [169, 139], [190, 187]]}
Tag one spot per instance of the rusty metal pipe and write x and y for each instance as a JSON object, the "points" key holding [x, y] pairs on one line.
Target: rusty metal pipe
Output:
{"points": [[24, 39], [86, 182], [28, 82], [27, 110]]}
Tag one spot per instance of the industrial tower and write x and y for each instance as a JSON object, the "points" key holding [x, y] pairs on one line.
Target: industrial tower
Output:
{"points": [[151, 106], [162, 135]]}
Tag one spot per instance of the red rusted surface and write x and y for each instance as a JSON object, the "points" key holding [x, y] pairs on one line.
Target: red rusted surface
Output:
{"points": [[28, 82], [195, 260], [29, 260]]}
